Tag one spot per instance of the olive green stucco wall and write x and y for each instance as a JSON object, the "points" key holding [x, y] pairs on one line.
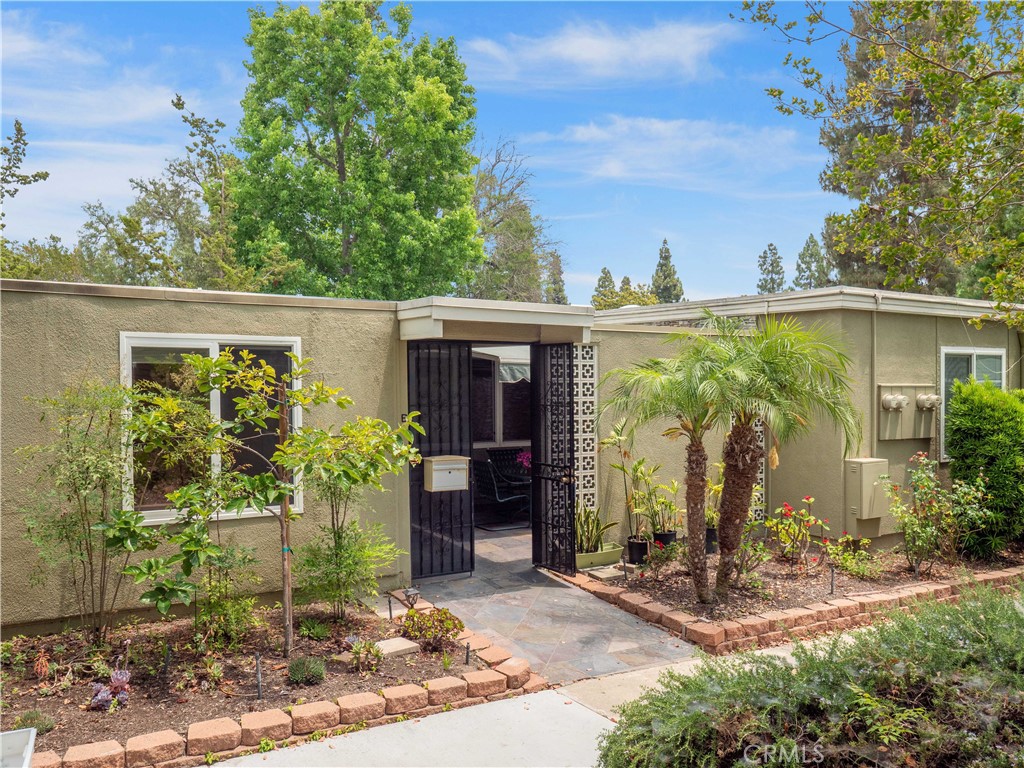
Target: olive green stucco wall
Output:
{"points": [[884, 348], [619, 347], [53, 340]]}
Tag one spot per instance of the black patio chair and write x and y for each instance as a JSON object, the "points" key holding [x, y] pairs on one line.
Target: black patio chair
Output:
{"points": [[506, 463], [501, 495]]}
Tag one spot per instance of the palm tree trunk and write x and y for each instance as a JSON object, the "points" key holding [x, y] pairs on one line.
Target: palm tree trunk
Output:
{"points": [[742, 454], [696, 528]]}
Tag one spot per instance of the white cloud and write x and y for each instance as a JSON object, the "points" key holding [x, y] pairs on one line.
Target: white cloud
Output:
{"points": [[80, 172], [591, 54], [127, 104], [690, 155], [50, 46]]}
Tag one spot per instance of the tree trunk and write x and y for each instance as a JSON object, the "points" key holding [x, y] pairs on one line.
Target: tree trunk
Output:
{"points": [[696, 528], [742, 454]]}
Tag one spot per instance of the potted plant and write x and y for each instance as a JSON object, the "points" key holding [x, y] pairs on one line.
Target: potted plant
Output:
{"points": [[669, 513], [591, 548], [622, 441]]}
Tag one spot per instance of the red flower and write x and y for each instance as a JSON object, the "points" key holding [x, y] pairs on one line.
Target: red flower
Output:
{"points": [[825, 520], [785, 506], [825, 540], [845, 533], [808, 523], [659, 545], [808, 498], [814, 559], [787, 514]]}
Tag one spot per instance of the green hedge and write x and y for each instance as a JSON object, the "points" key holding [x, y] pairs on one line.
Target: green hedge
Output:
{"points": [[985, 433], [939, 687]]}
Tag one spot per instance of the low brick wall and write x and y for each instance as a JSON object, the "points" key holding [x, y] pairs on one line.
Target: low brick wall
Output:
{"points": [[758, 631], [224, 737]]}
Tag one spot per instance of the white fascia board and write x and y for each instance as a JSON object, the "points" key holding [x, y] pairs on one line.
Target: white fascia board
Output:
{"points": [[439, 309], [794, 302]]}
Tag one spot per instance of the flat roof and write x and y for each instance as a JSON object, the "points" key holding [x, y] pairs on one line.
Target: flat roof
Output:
{"points": [[794, 302]]}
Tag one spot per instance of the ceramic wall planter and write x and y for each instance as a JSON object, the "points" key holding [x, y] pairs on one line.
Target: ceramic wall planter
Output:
{"points": [[610, 554]]}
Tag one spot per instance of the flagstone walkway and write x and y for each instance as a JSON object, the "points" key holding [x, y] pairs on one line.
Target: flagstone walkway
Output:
{"points": [[565, 633]]}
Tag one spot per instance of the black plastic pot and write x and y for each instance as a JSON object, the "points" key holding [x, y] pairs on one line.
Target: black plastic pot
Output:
{"points": [[636, 550], [665, 537], [711, 543]]}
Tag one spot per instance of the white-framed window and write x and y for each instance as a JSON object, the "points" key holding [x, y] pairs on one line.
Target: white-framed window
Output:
{"points": [[157, 357], [501, 402], [959, 364]]}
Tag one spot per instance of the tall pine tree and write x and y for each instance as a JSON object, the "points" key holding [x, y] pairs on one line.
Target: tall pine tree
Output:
{"points": [[554, 279], [666, 283], [813, 268], [605, 292], [773, 278]]}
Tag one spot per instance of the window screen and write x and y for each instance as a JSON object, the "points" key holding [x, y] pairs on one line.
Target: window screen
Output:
{"points": [[483, 401]]}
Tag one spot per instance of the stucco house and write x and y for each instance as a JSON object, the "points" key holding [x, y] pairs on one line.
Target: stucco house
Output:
{"points": [[489, 378]]}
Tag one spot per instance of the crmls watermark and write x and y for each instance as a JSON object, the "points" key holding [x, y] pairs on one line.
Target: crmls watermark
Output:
{"points": [[782, 754]]}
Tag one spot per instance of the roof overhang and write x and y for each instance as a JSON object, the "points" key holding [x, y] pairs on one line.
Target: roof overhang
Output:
{"points": [[794, 302], [438, 317]]}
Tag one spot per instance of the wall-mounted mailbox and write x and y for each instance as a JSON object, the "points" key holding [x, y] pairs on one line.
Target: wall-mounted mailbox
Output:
{"points": [[865, 491], [446, 473]]}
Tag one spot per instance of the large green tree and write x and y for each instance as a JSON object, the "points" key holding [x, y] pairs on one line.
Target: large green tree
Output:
{"points": [[666, 283], [813, 268], [773, 277], [607, 296], [12, 156], [356, 152], [940, 167]]}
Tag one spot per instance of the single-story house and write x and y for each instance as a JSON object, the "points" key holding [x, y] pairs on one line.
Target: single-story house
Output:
{"points": [[489, 378]]}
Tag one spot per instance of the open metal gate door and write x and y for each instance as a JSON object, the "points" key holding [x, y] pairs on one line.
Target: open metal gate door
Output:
{"points": [[442, 522], [553, 458]]}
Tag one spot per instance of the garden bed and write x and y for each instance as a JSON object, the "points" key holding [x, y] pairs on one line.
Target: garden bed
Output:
{"points": [[197, 686], [779, 586]]}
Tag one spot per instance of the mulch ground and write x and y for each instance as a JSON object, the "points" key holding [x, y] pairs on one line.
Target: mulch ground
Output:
{"points": [[779, 585], [186, 693]]}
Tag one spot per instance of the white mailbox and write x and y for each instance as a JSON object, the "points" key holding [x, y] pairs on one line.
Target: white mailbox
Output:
{"points": [[446, 473]]}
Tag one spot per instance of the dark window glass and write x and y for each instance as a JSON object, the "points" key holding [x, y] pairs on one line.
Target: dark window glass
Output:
{"points": [[483, 401], [262, 442], [156, 474], [515, 411]]}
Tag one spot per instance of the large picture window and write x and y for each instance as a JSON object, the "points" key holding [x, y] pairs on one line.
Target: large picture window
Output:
{"points": [[501, 401], [155, 360], [959, 364]]}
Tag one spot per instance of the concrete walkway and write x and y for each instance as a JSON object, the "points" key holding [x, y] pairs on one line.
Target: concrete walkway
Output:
{"points": [[551, 728], [543, 729], [565, 633]]}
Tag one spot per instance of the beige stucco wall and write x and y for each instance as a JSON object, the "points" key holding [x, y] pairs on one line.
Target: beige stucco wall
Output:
{"points": [[51, 340], [619, 348], [907, 350]]}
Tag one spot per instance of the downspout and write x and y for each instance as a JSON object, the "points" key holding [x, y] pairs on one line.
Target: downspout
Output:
{"points": [[873, 394]]}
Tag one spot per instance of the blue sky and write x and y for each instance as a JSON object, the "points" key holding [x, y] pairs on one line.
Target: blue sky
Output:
{"points": [[642, 121]]}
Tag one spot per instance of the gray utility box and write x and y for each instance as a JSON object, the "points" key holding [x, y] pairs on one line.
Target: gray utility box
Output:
{"points": [[865, 489], [446, 473]]}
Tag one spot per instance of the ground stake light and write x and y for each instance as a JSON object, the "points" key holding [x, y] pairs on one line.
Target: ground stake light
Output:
{"points": [[411, 596]]}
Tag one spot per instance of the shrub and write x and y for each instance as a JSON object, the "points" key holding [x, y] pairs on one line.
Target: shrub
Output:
{"points": [[225, 617], [314, 629], [35, 719], [851, 556], [792, 530], [342, 564], [590, 529], [936, 522], [433, 630], [306, 670], [939, 687], [659, 556], [752, 554], [985, 435]]}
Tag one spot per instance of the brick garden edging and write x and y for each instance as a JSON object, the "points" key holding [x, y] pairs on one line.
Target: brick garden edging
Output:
{"points": [[225, 737], [758, 631]]}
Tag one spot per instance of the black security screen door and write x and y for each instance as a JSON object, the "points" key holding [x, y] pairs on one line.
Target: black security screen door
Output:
{"points": [[553, 458], [442, 522]]}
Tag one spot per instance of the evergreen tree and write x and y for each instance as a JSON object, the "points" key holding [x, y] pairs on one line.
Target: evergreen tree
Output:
{"points": [[554, 279], [773, 278], [666, 283], [813, 268], [604, 293]]}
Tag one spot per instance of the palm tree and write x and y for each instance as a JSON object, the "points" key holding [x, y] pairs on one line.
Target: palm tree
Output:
{"points": [[783, 375], [685, 389]]}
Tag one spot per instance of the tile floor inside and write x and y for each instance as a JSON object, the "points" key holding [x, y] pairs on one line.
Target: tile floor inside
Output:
{"points": [[565, 633]]}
